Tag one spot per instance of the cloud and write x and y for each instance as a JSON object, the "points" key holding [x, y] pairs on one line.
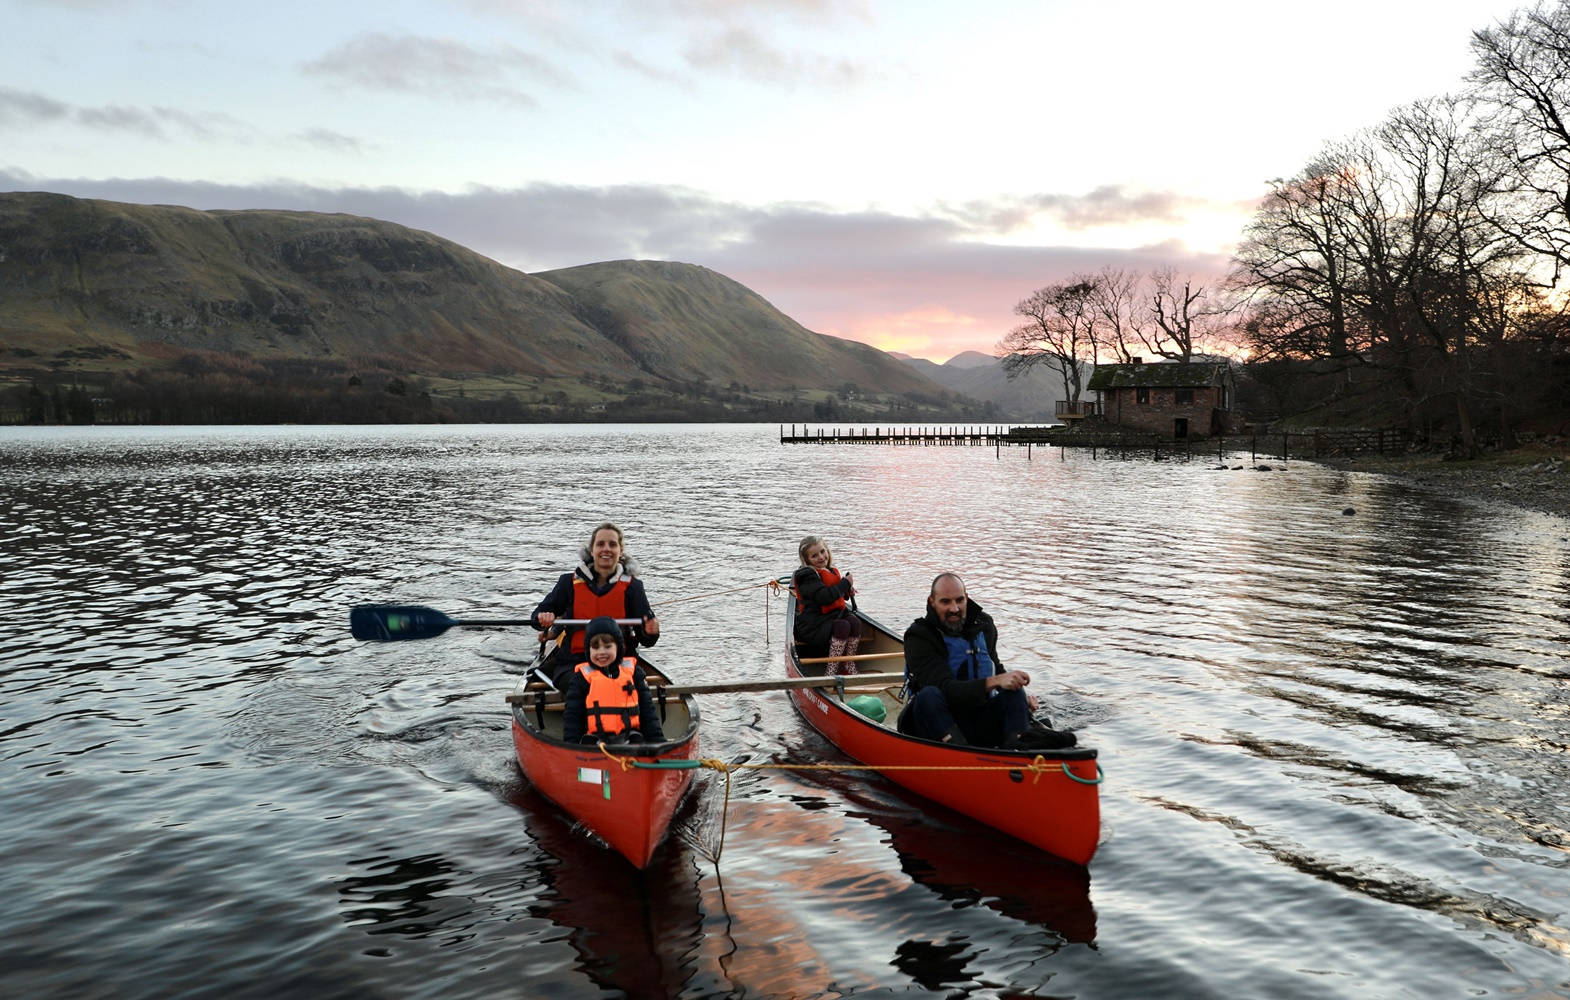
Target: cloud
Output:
{"points": [[772, 42], [336, 142], [19, 107], [810, 11], [632, 63], [745, 53], [81, 5], [119, 118], [1109, 205], [896, 280], [438, 67]]}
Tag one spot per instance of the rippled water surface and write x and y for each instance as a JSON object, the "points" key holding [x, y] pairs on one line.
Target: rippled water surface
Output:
{"points": [[1334, 744]]}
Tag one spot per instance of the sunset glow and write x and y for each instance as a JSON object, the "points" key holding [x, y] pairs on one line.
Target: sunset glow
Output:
{"points": [[893, 173]]}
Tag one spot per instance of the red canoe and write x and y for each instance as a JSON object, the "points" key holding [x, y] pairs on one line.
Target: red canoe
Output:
{"points": [[630, 809], [1057, 809]]}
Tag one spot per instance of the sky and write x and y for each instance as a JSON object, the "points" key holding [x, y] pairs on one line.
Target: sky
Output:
{"points": [[900, 173]]}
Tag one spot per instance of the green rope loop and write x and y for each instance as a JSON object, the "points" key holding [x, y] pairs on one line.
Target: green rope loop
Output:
{"points": [[1082, 781]]}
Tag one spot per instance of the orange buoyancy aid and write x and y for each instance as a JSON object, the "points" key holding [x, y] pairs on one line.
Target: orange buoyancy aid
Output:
{"points": [[611, 705], [587, 604], [830, 577]]}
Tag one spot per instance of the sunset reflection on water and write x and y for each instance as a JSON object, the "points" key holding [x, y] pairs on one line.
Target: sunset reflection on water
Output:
{"points": [[1333, 744]]}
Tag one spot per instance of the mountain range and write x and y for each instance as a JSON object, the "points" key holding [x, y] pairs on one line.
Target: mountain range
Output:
{"points": [[96, 290], [1029, 396]]}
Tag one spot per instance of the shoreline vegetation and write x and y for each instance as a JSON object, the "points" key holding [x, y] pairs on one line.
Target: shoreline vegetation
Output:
{"points": [[212, 390], [1534, 476]]}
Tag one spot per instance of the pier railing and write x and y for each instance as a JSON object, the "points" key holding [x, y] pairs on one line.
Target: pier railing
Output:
{"points": [[1065, 410], [1282, 444], [980, 434]]}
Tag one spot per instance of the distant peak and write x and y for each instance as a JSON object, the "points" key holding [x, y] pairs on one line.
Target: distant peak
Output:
{"points": [[970, 359]]}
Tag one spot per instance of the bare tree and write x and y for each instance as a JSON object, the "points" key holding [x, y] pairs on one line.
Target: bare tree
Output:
{"points": [[1114, 300], [1385, 251], [1182, 319], [1059, 330], [1523, 71], [1459, 262], [1292, 265]]}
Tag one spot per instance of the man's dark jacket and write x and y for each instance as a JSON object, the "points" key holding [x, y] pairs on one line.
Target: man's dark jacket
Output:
{"points": [[927, 657]]}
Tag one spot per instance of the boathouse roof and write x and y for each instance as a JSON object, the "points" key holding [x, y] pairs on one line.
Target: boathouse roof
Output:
{"points": [[1158, 376]]}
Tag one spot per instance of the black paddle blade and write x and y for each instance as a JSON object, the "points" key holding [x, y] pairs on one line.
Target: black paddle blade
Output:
{"points": [[389, 622]]}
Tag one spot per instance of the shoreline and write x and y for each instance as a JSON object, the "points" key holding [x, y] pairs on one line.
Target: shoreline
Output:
{"points": [[1534, 477]]}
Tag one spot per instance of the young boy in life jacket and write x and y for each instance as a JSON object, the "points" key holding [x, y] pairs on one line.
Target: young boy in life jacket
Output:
{"points": [[608, 699]]}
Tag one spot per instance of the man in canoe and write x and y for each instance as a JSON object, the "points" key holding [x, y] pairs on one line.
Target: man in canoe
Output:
{"points": [[959, 691]]}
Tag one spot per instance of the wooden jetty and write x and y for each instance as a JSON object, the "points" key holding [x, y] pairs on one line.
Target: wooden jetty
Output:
{"points": [[1283, 444], [980, 434]]}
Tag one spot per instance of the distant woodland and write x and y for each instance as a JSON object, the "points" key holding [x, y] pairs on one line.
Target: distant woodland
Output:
{"points": [[237, 391]]}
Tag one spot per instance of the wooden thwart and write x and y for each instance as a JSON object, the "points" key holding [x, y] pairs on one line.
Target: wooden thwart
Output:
{"points": [[899, 654], [736, 687]]}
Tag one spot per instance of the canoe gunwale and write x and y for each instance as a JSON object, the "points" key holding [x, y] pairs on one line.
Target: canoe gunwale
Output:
{"points": [[1061, 815], [579, 779]]}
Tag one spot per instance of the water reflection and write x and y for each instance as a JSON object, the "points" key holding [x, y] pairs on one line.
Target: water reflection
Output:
{"points": [[399, 895], [1344, 730], [965, 866], [637, 932]]}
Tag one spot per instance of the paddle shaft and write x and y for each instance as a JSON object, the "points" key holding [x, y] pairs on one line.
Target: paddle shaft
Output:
{"points": [[858, 656], [391, 622], [568, 621], [531, 621], [737, 687]]}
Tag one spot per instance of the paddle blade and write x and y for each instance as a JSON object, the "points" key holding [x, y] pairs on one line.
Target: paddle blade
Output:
{"points": [[390, 622]]}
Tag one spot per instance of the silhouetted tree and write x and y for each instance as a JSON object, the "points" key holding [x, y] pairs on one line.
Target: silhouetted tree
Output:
{"points": [[1181, 319], [1059, 329], [1523, 73]]}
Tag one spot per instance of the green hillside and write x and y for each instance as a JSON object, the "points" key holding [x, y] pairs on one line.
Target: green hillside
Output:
{"points": [[270, 315]]}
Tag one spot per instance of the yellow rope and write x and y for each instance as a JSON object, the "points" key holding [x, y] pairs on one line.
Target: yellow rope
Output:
{"points": [[1036, 767], [772, 585], [717, 593]]}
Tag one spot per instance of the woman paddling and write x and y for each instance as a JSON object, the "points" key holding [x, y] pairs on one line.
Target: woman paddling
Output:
{"points": [[604, 584], [825, 624]]}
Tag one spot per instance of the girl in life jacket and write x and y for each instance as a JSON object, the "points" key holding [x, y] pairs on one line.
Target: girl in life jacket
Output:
{"points": [[605, 583], [825, 624], [608, 698]]}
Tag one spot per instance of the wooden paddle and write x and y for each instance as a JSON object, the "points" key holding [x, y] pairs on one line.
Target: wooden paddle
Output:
{"points": [[392, 622], [733, 687]]}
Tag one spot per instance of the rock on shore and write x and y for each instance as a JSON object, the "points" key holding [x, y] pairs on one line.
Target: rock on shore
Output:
{"points": [[1536, 477]]}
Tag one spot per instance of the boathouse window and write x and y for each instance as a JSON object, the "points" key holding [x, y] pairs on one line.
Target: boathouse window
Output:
{"points": [[1142, 394], [1183, 397]]}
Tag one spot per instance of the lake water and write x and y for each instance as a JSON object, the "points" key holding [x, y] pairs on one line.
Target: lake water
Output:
{"points": [[1334, 744]]}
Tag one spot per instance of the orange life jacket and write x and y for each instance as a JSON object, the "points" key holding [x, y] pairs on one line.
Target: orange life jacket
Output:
{"points": [[611, 705], [587, 604], [830, 577]]}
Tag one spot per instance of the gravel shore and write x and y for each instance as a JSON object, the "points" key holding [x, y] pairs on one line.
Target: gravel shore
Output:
{"points": [[1536, 477]]}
